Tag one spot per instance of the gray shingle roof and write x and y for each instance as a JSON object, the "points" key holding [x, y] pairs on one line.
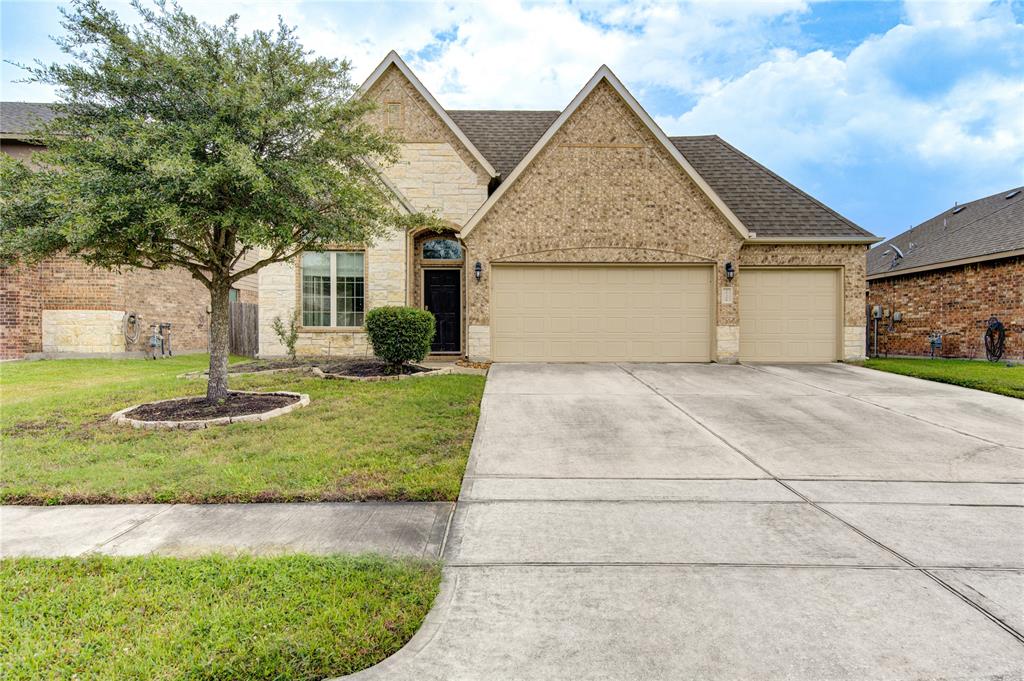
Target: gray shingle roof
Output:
{"points": [[767, 204], [504, 137], [982, 228], [763, 201], [18, 119]]}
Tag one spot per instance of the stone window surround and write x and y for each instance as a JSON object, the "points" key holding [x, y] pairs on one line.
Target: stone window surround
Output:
{"points": [[298, 290]]}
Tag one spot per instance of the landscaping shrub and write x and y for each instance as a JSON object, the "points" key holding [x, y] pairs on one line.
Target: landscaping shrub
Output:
{"points": [[289, 335], [400, 334]]}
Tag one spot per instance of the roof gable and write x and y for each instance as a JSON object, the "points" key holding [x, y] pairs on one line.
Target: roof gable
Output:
{"points": [[604, 74], [392, 59]]}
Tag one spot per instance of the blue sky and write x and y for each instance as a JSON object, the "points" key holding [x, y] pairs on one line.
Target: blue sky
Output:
{"points": [[889, 112]]}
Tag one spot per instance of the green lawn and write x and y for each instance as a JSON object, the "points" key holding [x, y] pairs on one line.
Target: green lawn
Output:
{"points": [[994, 377], [294, 617], [402, 440]]}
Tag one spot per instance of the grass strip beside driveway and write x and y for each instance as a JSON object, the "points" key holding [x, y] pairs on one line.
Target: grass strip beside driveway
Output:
{"points": [[291, 617], [401, 440], [993, 377]]}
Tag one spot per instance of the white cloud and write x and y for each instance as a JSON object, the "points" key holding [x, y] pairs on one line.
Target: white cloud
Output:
{"points": [[875, 107]]}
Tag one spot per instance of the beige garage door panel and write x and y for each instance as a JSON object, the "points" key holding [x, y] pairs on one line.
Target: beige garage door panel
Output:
{"points": [[601, 313], [789, 315]]}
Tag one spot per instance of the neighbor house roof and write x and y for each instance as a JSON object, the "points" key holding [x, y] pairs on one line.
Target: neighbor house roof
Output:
{"points": [[989, 228], [19, 119]]}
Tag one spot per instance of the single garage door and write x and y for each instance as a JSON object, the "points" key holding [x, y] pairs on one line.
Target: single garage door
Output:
{"points": [[601, 313], [789, 315]]}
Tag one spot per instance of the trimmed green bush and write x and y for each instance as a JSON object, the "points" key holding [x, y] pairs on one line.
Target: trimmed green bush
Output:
{"points": [[400, 334]]}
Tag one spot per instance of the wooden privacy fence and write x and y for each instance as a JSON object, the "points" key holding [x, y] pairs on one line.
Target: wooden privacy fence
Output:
{"points": [[244, 329]]}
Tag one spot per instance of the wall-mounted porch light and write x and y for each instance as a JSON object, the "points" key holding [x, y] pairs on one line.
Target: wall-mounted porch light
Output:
{"points": [[730, 271], [478, 270]]}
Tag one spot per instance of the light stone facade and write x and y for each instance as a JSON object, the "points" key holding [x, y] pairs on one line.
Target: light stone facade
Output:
{"points": [[434, 177], [434, 172], [83, 331], [280, 286]]}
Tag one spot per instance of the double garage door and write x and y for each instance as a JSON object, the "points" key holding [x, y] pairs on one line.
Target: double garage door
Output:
{"points": [[651, 313]]}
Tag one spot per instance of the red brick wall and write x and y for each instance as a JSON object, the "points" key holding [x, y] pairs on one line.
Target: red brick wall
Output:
{"points": [[956, 301], [69, 284], [20, 311], [66, 283], [170, 295]]}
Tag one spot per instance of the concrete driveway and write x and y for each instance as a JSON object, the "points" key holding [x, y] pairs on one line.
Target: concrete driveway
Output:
{"points": [[731, 522]]}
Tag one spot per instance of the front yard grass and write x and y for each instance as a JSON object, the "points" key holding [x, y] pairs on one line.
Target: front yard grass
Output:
{"points": [[993, 377], [401, 440], [293, 617]]}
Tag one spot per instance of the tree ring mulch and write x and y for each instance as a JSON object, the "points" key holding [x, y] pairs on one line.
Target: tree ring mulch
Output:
{"points": [[194, 413]]}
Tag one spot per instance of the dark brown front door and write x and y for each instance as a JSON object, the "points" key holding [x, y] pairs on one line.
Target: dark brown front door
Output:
{"points": [[441, 297]]}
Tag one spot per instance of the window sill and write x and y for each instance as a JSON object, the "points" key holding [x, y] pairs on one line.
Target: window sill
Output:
{"points": [[332, 329]]}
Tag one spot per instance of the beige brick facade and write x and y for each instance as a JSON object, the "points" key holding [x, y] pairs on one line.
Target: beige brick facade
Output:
{"points": [[83, 331], [603, 190], [281, 283]]}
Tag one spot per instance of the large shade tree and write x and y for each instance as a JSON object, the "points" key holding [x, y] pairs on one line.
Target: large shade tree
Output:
{"points": [[183, 144]]}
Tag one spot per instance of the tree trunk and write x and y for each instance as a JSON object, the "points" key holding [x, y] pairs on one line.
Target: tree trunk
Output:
{"points": [[217, 388]]}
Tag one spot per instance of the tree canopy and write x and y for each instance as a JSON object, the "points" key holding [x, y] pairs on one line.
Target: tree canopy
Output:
{"points": [[180, 143]]}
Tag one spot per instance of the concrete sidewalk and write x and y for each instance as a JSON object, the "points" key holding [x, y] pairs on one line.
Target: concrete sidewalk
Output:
{"points": [[391, 529]]}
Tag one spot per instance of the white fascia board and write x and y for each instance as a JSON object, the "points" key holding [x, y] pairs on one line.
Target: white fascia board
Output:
{"points": [[605, 73], [393, 58], [814, 240]]}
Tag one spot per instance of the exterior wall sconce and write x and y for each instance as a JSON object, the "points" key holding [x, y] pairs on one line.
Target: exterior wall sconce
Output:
{"points": [[730, 271], [478, 270]]}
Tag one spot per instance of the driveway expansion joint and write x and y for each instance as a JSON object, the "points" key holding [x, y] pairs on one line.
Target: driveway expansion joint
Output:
{"points": [[1019, 636]]}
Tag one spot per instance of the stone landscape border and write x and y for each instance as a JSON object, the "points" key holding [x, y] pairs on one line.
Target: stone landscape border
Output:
{"points": [[319, 373], [121, 419], [316, 371]]}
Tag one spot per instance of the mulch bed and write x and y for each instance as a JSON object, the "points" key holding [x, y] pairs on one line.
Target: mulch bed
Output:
{"points": [[197, 408], [360, 368]]}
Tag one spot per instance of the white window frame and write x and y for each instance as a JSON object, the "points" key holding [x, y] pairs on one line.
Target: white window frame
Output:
{"points": [[332, 289]]}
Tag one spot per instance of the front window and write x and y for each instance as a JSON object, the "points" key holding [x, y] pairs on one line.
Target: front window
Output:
{"points": [[442, 249], [333, 288]]}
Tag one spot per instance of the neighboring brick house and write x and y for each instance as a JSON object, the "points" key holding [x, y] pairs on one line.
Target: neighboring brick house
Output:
{"points": [[584, 234], [948, 276], [63, 307]]}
